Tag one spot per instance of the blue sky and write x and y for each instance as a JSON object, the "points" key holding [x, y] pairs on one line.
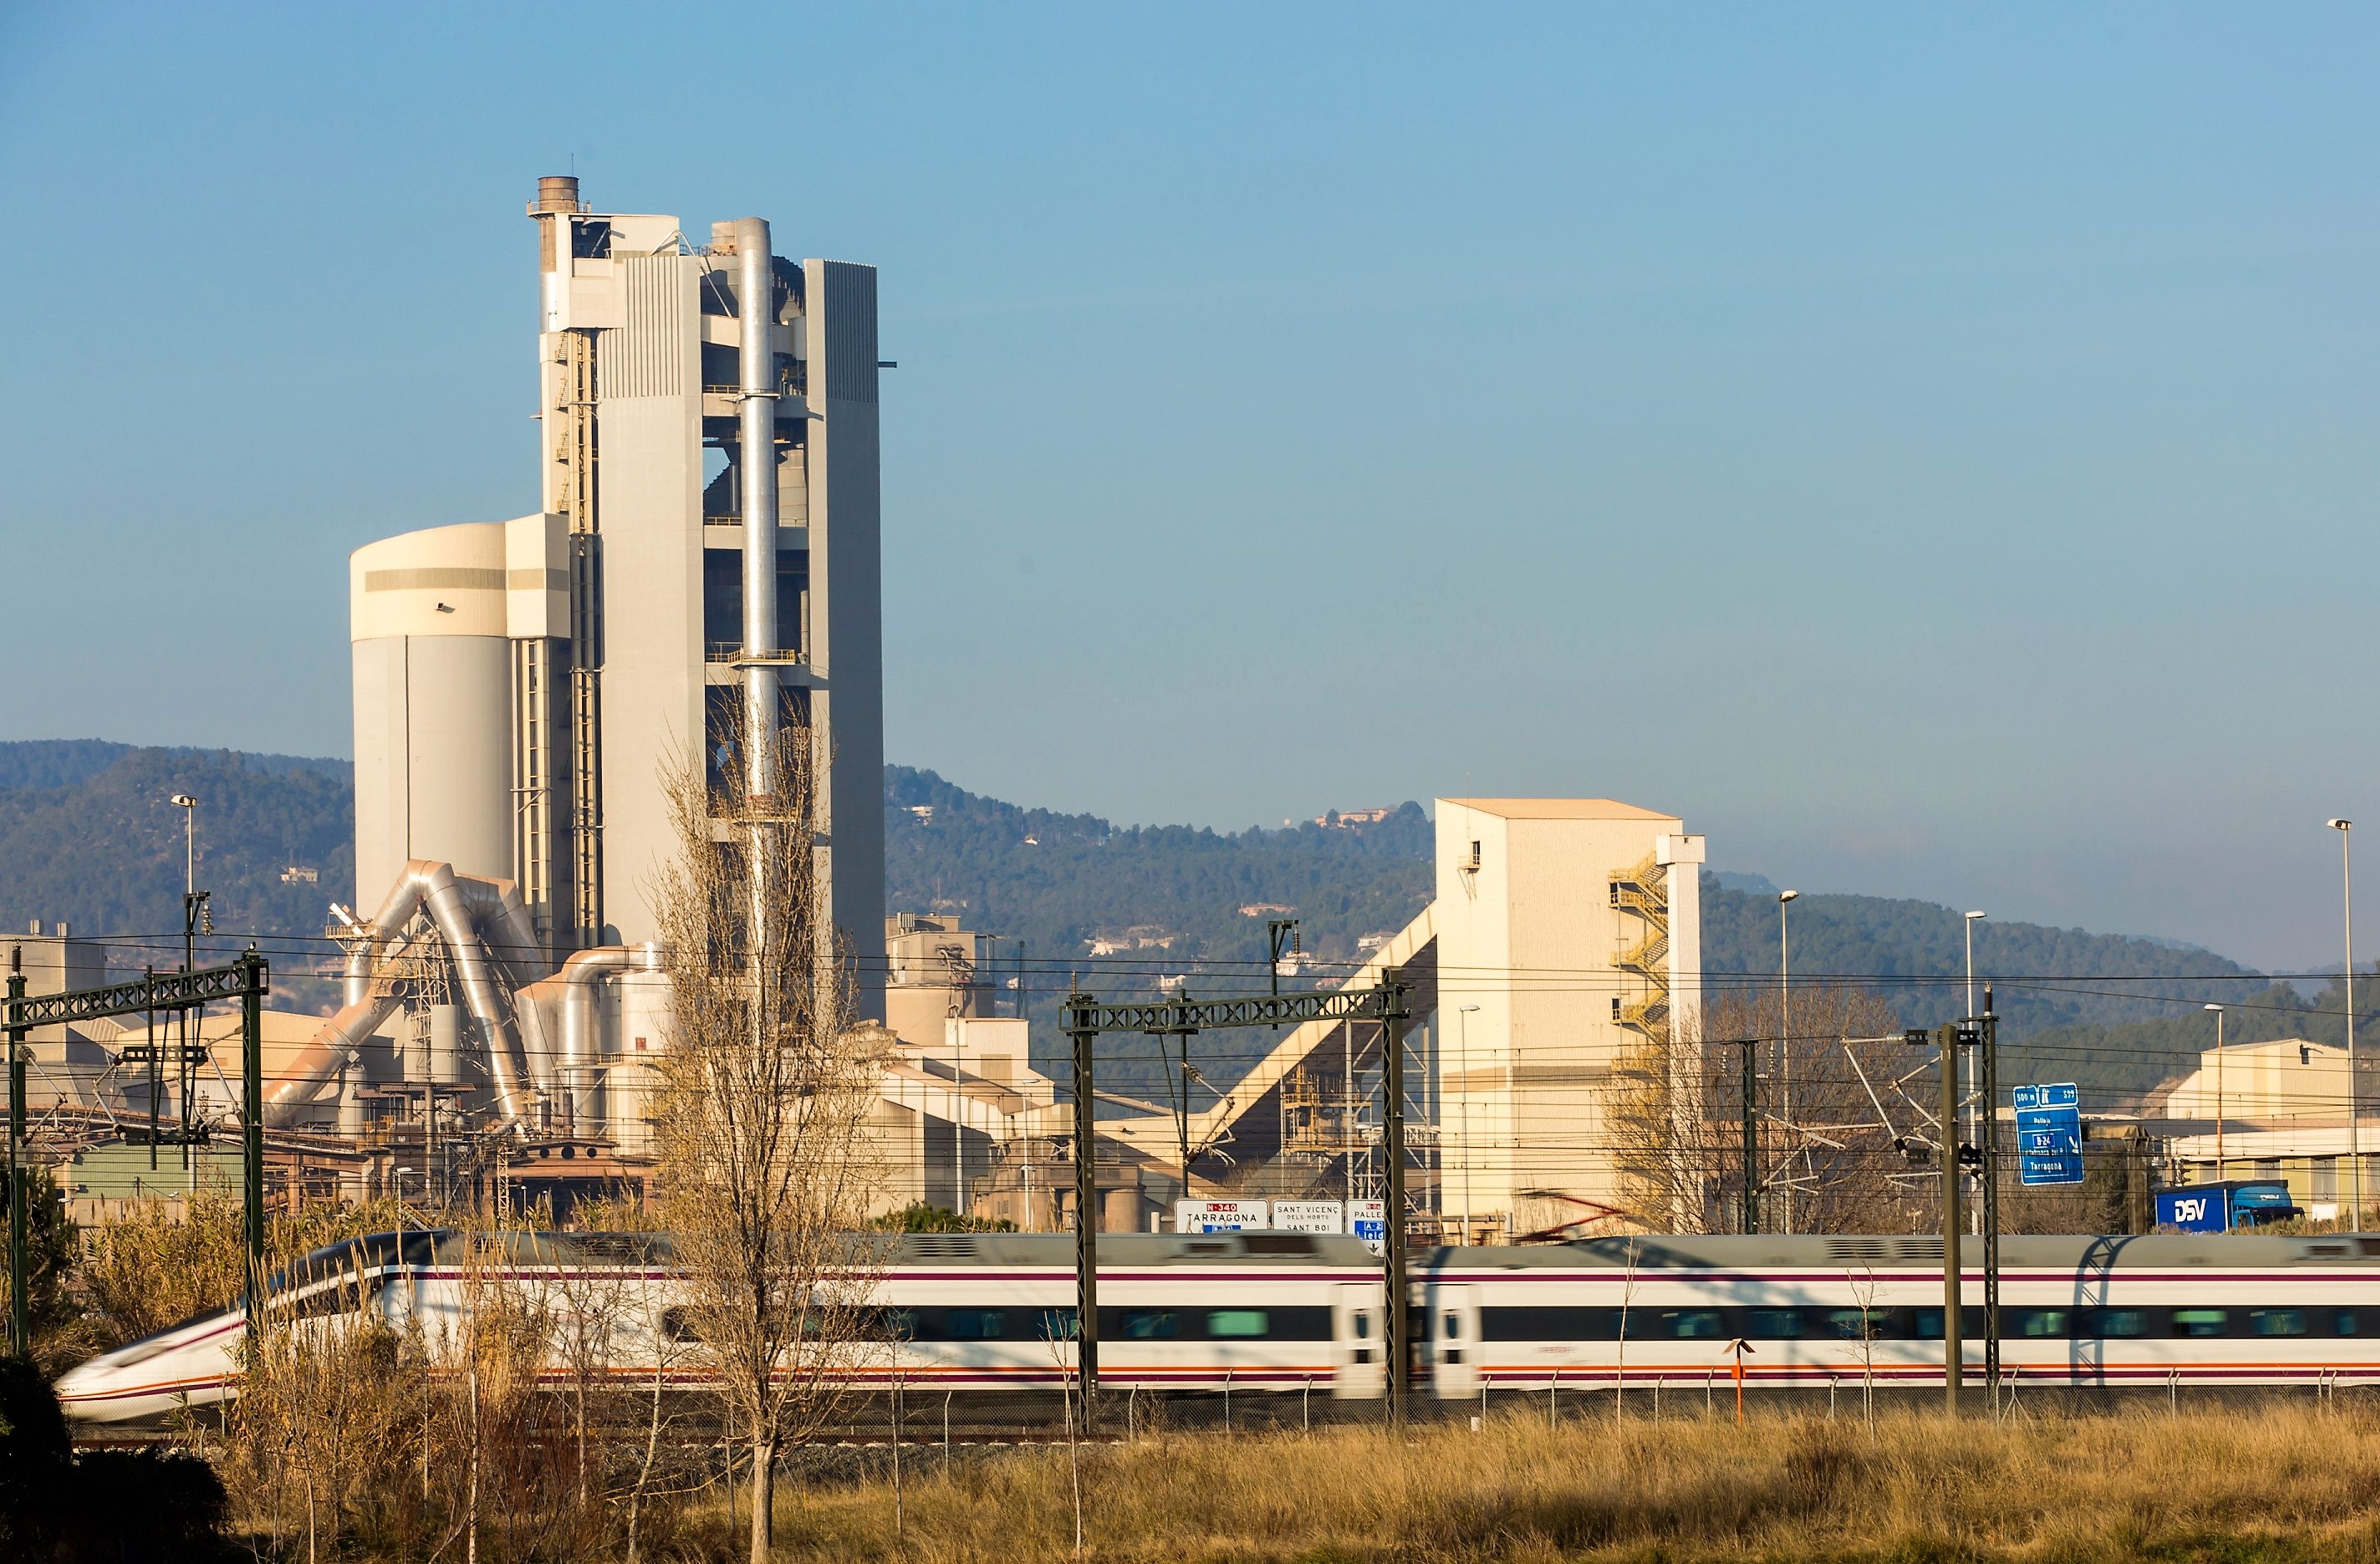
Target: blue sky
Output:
{"points": [[1930, 448]]}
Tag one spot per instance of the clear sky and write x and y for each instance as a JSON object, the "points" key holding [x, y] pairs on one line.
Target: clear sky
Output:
{"points": [[1929, 447]]}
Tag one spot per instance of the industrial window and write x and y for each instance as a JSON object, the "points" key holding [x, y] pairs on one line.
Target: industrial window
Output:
{"points": [[2268, 1167], [2201, 1322], [591, 238], [1238, 1322], [2277, 1322], [2324, 1171]]}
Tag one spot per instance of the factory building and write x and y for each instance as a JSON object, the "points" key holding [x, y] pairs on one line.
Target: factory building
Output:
{"points": [[709, 538], [1565, 938]]}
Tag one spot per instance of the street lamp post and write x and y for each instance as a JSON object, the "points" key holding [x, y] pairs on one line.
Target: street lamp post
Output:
{"points": [[2347, 887], [1785, 1058], [1975, 1135], [1463, 1084], [2218, 1091]]}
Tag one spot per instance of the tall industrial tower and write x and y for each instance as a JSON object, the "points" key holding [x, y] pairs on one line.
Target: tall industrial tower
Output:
{"points": [[709, 538]]}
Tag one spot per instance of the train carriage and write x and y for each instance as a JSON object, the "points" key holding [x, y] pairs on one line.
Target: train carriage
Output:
{"points": [[986, 1316]]}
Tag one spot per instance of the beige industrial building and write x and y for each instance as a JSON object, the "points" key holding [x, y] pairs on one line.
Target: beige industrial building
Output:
{"points": [[2283, 1107], [521, 687], [1565, 935]]}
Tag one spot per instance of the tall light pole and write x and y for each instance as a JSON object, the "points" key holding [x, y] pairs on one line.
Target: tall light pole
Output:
{"points": [[2218, 1091], [1463, 1084], [1975, 1134], [2347, 884], [1785, 1058], [189, 807]]}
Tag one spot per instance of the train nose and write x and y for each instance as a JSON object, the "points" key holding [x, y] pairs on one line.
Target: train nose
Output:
{"points": [[76, 1386]]}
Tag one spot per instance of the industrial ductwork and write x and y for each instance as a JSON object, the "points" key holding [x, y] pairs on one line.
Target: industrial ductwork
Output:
{"points": [[494, 951], [575, 991]]}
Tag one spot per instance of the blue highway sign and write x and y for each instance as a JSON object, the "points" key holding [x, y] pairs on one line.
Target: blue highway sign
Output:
{"points": [[2049, 1134]]}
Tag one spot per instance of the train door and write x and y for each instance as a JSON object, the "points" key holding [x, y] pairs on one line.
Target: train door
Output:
{"points": [[1454, 1341], [1358, 1371]]}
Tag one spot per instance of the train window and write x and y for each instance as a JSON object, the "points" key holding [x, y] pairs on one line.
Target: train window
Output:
{"points": [[2342, 1322], [972, 1325], [1557, 1325], [1694, 1324], [896, 1325], [1310, 1323], [340, 1298], [1363, 1325], [1926, 1323], [1856, 1325], [2115, 1322], [1152, 1324], [1238, 1322], [677, 1325], [1453, 1326], [1054, 1324], [1277, 1244], [1772, 1324], [2201, 1322], [2277, 1322], [2033, 1322]]}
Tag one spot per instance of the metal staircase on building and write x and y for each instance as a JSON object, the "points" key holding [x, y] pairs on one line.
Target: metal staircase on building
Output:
{"points": [[1644, 890]]}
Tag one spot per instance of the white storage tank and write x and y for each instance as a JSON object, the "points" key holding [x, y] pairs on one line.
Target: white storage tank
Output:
{"points": [[639, 1017], [433, 705]]}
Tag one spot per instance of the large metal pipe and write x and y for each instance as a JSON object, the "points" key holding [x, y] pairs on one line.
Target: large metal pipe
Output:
{"points": [[321, 1059], [755, 289], [459, 907], [574, 993]]}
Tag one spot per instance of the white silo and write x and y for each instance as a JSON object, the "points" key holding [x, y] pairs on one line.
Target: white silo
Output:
{"points": [[641, 1020], [436, 624], [433, 704]]}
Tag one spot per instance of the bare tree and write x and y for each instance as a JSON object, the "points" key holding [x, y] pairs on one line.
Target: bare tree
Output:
{"points": [[769, 1174], [1835, 1154]]}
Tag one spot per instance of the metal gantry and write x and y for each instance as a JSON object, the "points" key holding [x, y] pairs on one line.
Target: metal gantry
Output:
{"points": [[1086, 1019], [246, 980]]}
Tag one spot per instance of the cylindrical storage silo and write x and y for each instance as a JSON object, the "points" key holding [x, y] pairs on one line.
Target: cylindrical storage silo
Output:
{"points": [[446, 1043], [433, 705], [641, 1004]]}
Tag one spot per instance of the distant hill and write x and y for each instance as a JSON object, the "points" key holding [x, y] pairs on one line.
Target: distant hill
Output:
{"points": [[88, 837], [1057, 881], [2113, 1012]]}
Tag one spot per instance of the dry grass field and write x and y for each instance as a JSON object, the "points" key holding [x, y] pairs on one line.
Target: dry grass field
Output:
{"points": [[2280, 1483]]}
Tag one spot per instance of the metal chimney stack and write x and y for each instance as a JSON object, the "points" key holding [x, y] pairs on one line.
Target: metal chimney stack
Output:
{"points": [[755, 313]]}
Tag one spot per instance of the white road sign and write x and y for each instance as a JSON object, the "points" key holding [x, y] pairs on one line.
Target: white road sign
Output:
{"points": [[1309, 1216], [1218, 1216]]}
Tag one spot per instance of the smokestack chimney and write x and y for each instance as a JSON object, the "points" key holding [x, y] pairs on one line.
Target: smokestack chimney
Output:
{"points": [[555, 192]]}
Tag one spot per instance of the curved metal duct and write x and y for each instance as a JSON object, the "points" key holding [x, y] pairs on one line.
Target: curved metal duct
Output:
{"points": [[459, 907], [574, 988]]}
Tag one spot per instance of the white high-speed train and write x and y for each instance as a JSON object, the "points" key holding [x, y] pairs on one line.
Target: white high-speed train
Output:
{"points": [[983, 1315]]}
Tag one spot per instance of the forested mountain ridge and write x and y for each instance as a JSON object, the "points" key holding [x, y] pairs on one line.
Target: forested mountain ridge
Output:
{"points": [[89, 836]]}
